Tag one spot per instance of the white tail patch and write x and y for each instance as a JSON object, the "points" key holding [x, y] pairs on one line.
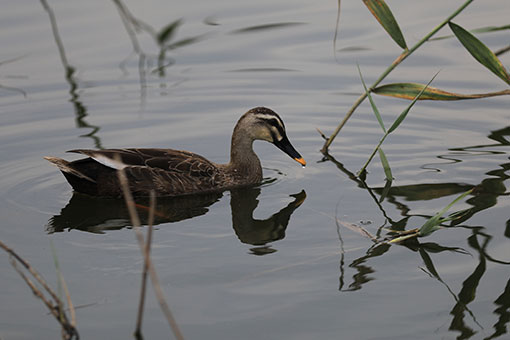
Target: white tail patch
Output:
{"points": [[106, 161]]}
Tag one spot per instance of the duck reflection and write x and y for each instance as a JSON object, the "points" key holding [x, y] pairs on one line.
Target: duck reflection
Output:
{"points": [[97, 215], [260, 232]]}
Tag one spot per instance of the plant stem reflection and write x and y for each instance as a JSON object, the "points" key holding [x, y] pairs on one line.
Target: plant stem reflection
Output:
{"points": [[485, 196]]}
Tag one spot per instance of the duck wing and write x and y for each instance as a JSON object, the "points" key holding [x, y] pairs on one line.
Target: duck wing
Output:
{"points": [[169, 172]]}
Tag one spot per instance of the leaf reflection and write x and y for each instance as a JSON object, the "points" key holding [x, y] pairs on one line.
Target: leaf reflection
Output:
{"points": [[267, 27], [164, 39], [485, 195], [503, 301]]}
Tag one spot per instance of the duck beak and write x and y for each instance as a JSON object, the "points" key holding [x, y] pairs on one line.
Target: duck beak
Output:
{"points": [[285, 146]]}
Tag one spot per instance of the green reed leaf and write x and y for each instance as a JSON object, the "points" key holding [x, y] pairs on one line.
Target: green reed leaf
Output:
{"points": [[435, 221], [480, 52], [386, 165], [383, 14], [404, 113], [363, 169], [403, 238], [372, 103], [395, 124], [410, 90], [387, 173]]}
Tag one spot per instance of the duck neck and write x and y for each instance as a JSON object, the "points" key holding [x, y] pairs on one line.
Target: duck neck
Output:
{"points": [[244, 164]]}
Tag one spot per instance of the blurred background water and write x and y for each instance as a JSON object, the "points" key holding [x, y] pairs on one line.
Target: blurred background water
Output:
{"points": [[91, 74]]}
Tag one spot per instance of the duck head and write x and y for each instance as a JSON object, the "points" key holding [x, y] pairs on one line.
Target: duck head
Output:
{"points": [[265, 124]]}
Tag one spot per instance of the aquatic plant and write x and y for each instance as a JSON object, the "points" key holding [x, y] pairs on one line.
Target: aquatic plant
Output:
{"points": [[410, 91], [41, 289]]}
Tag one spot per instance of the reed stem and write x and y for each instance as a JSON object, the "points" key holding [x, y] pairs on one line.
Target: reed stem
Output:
{"points": [[394, 64], [160, 296]]}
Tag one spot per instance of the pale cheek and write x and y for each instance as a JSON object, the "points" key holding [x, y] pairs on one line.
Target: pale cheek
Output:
{"points": [[267, 137], [277, 134], [264, 134]]}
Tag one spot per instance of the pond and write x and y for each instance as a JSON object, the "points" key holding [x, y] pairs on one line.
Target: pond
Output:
{"points": [[293, 258]]}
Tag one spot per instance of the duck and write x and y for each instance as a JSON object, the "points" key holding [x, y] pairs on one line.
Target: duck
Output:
{"points": [[173, 173]]}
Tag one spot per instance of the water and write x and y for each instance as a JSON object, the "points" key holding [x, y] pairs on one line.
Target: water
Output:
{"points": [[269, 262]]}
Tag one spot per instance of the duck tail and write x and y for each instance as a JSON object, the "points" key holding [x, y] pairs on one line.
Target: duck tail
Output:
{"points": [[67, 168]]}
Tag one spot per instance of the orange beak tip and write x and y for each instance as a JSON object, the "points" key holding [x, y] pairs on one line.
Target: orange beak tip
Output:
{"points": [[301, 161]]}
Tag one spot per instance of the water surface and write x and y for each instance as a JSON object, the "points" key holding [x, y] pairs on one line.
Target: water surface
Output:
{"points": [[281, 261]]}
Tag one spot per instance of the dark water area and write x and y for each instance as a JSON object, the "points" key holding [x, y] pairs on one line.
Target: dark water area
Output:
{"points": [[293, 258]]}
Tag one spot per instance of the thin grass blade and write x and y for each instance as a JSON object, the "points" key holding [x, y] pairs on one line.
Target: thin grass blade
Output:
{"points": [[480, 52], [433, 223], [364, 168], [411, 90], [383, 14], [395, 124], [445, 209], [62, 286], [430, 226], [403, 238], [457, 215], [404, 113], [372, 103]]}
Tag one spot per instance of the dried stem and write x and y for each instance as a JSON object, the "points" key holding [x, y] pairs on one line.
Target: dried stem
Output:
{"points": [[152, 208], [55, 307], [70, 304], [152, 272]]}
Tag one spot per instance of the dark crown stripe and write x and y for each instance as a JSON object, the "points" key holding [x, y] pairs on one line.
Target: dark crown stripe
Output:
{"points": [[271, 118], [272, 121]]}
